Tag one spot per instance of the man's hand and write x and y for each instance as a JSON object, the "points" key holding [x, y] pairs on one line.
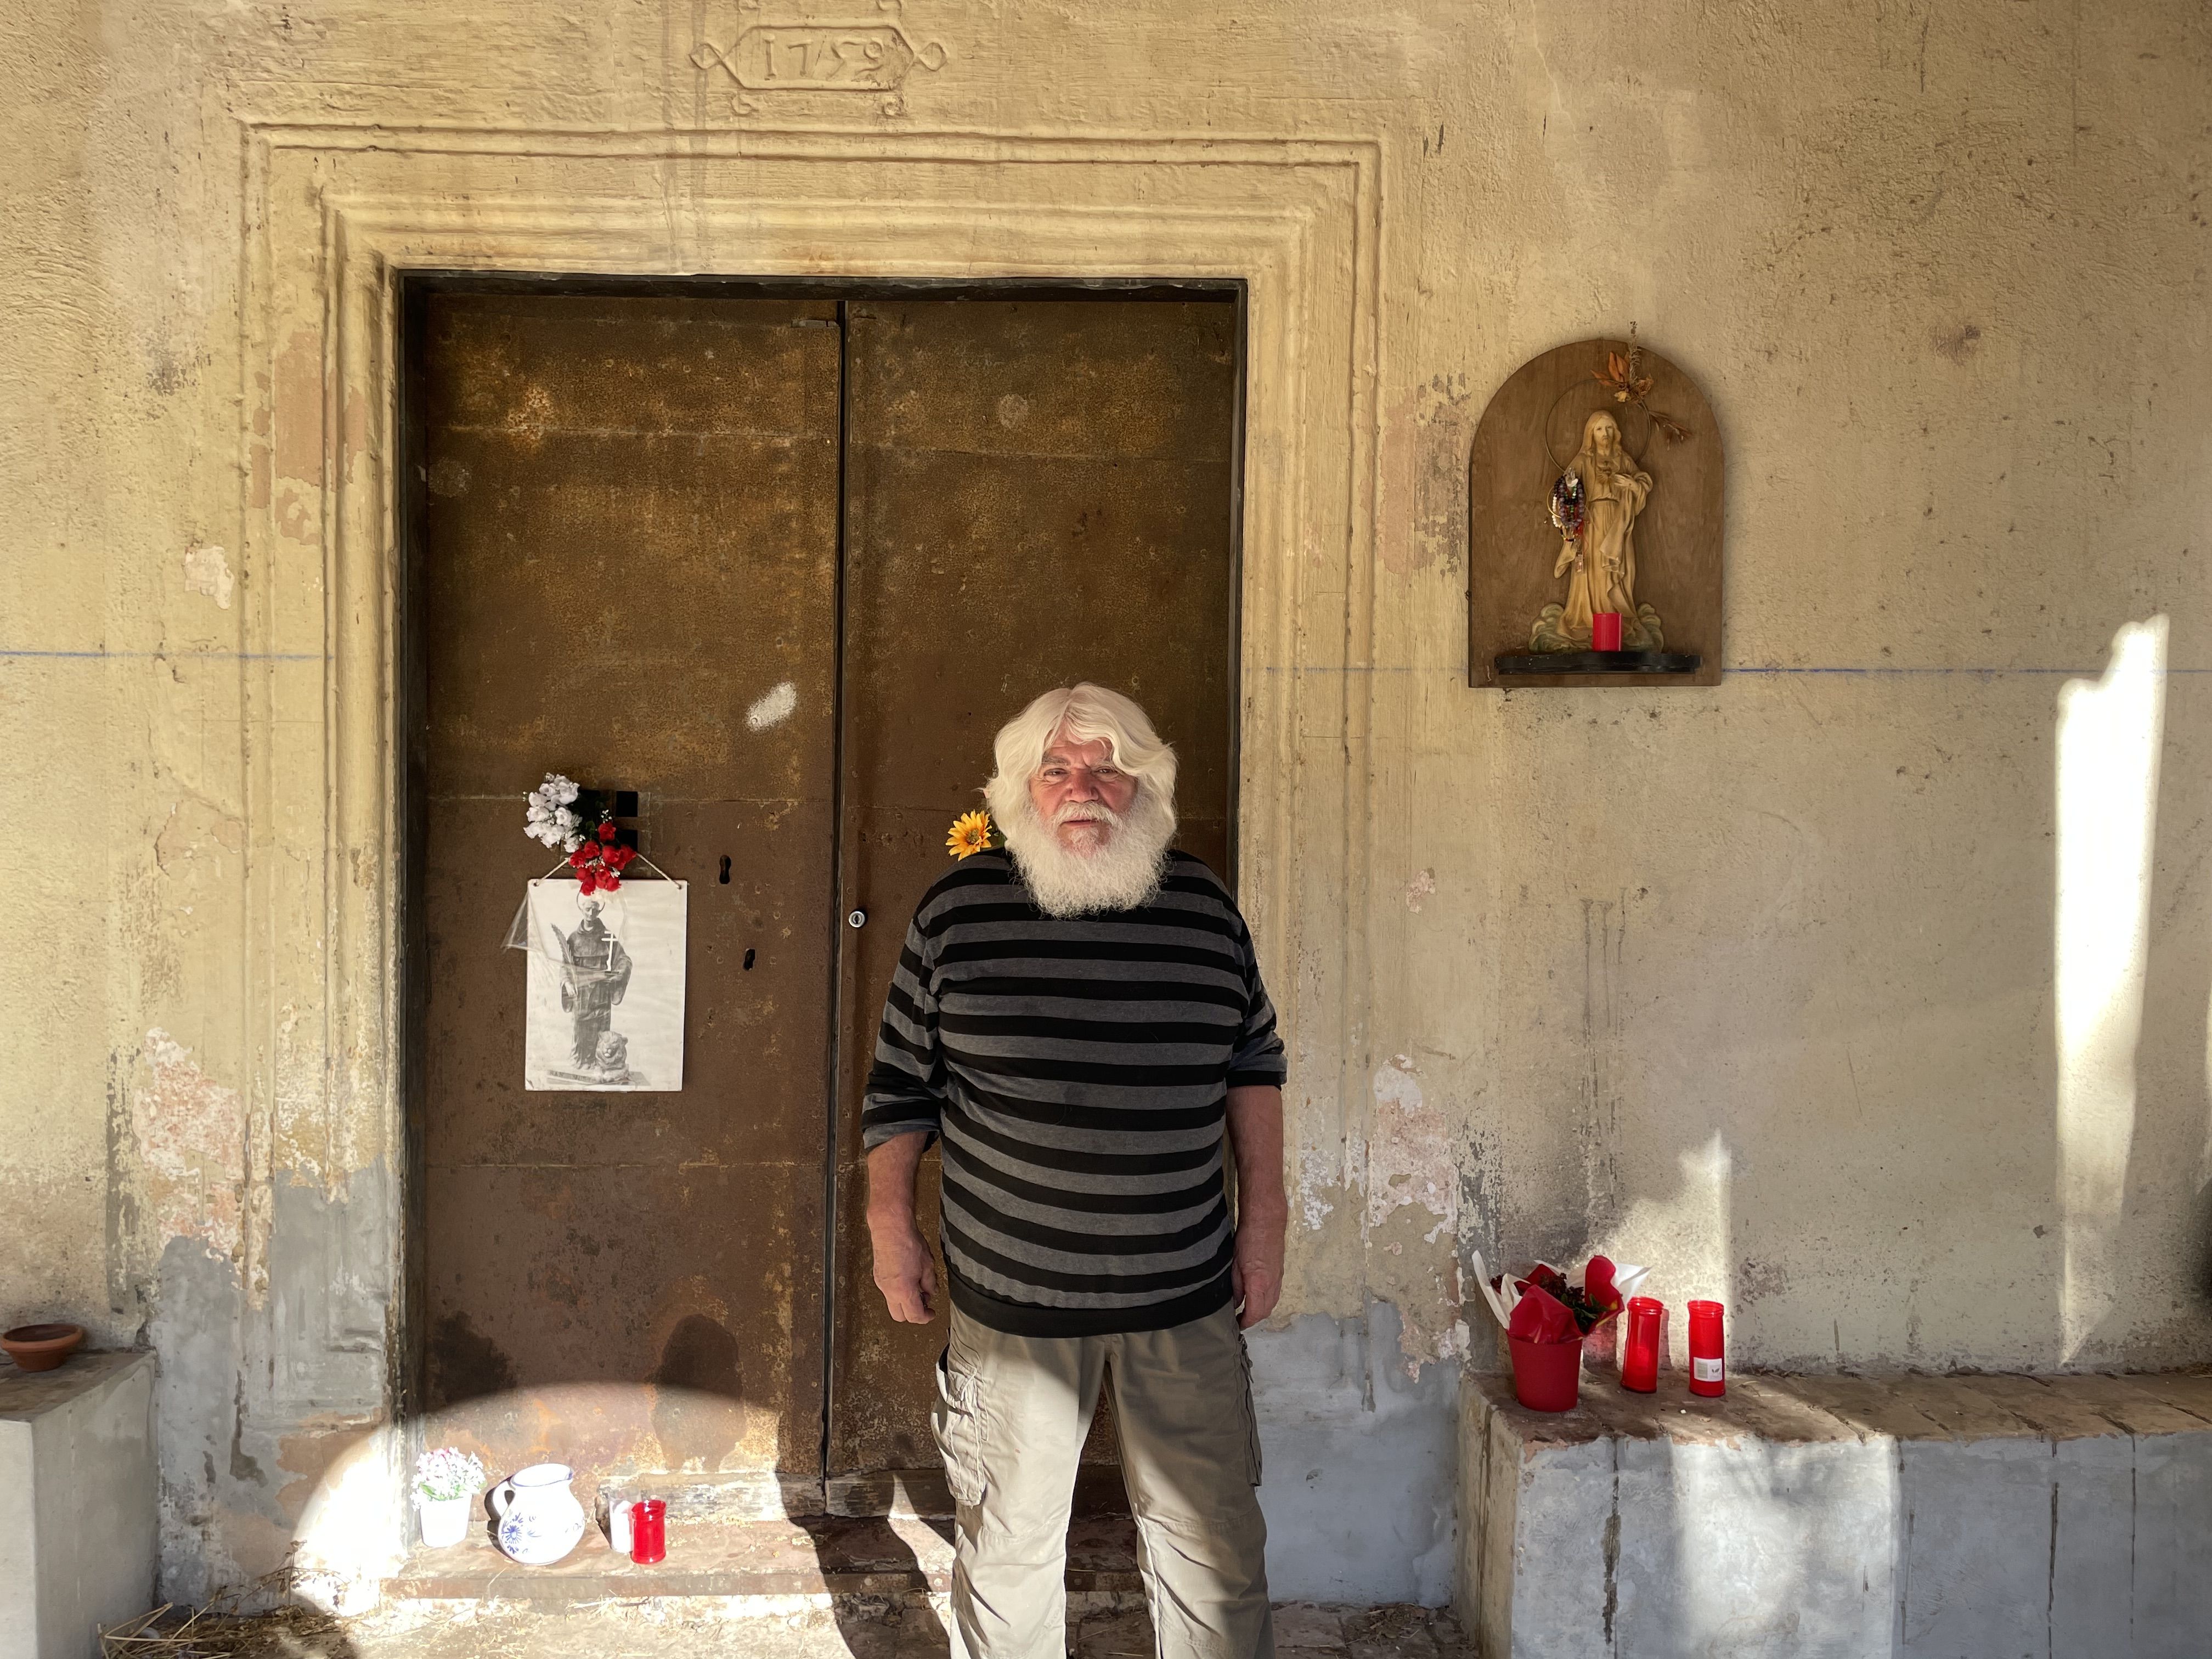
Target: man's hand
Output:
{"points": [[905, 1272], [1256, 1276], [1263, 1213]]}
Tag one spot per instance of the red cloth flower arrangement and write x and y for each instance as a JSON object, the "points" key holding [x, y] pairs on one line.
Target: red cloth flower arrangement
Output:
{"points": [[598, 863], [1545, 1306]]}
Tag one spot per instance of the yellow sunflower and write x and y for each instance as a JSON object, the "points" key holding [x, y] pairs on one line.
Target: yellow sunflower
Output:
{"points": [[971, 834]]}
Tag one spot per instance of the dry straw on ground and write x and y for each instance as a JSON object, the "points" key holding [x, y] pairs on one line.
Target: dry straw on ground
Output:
{"points": [[222, 1631]]}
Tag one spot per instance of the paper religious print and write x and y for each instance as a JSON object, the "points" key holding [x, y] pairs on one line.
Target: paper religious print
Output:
{"points": [[606, 987]]}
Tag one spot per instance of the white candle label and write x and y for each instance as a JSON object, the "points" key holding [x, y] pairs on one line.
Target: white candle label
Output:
{"points": [[1707, 1370]]}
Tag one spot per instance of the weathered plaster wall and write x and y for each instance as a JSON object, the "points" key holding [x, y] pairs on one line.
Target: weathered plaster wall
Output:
{"points": [[1758, 983]]}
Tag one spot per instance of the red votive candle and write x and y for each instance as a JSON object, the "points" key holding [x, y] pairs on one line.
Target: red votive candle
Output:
{"points": [[648, 1531], [1708, 1365], [1605, 630], [1639, 1344]]}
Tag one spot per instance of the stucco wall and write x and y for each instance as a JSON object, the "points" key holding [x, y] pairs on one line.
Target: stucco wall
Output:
{"points": [[1758, 983]]}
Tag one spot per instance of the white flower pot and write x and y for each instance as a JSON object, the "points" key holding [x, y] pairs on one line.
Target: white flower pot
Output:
{"points": [[445, 1519]]}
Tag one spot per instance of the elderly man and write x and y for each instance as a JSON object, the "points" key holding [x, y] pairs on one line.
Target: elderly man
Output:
{"points": [[1080, 1017]]}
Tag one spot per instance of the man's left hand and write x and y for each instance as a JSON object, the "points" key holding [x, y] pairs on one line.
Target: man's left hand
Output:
{"points": [[1255, 1275]]}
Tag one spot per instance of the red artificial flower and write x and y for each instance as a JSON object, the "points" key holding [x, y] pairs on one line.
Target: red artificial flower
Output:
{"points": [[580, 858], [609, 883], [619, 858], [607, 832]]}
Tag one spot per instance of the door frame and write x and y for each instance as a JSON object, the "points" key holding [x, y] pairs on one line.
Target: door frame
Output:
{"points": [[336, 213], [415, 290]]}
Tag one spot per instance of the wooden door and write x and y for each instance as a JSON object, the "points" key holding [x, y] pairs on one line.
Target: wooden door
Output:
{"points": [[1038, 493], [626, 572]]}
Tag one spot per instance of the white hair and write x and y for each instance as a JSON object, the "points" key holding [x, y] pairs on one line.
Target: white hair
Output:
{"points": [[1081, 713], [1126, 872]]}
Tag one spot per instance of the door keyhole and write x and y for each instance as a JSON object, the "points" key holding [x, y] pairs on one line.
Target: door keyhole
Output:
{"points": [[749, 960], [725, 877]]}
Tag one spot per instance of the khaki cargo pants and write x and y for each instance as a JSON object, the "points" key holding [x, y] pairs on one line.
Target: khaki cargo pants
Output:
{"points": [[1011, 1417]]}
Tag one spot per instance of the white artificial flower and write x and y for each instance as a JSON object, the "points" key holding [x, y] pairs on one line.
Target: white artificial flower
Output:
{"points": [[549, 819], [449, 1474]]}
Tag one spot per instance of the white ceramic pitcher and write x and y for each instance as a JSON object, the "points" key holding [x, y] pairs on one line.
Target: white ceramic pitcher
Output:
{"points": [[539, 1519]]}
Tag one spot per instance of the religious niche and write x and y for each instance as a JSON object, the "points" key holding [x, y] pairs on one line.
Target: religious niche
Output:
{"points": [[1594, 524]]}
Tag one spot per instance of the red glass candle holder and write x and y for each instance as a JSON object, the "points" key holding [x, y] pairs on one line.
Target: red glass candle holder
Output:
{"points": [[1639, 1344], [1605, 630], [648, 1531], [1708, 1364]]}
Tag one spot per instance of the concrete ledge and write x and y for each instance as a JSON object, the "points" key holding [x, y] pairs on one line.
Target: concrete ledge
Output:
{"points": [[77, 1497], [1947, 1517]]}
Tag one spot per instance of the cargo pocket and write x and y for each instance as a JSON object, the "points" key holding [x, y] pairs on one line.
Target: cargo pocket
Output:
{"points": [[1251, 1417], [957, 1420]]}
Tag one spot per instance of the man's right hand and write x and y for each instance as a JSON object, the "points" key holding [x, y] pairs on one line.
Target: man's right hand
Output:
{"points": [[904, 1272]]}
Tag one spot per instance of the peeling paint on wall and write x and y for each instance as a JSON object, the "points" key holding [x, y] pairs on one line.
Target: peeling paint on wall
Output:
{"points": [[189, 1133], [1409, 1152], [207, 571], [1412, 1180], [1425, 476]]}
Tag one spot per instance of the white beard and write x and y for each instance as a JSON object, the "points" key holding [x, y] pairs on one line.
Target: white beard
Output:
{"points": [[1123, 874]]}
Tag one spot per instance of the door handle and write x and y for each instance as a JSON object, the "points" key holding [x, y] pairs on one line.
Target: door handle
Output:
{"points": [[858, 918]]}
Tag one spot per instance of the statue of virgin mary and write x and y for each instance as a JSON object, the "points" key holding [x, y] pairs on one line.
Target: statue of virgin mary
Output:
{"points": [[1598, 546]]}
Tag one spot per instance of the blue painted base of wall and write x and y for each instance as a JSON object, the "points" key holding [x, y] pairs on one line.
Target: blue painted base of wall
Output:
{"points": [[1361, 1463]]}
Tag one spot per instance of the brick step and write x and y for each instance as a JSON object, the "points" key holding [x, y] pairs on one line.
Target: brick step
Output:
{"points": [[804, 1555]]}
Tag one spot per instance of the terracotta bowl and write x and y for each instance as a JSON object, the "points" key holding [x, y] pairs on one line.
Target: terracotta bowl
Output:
{"points": [[41, 1348]]}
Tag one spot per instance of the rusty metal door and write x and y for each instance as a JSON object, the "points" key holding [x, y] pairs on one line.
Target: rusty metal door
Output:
{"points": [[625, 570], [628, 564], [1038, 492]]}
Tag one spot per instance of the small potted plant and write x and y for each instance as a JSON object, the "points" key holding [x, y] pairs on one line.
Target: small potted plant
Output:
{"points": [[447, 1481]]}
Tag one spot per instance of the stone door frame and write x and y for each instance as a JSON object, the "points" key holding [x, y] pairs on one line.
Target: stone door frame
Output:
{"points": [[336, 213]]}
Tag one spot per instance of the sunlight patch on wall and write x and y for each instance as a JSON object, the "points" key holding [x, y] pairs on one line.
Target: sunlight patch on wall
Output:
{"points": [[774, 707], [2109, 734]]}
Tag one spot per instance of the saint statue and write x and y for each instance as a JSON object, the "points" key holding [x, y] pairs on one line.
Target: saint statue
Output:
{"points": [[594, 973], [1595, 503]]}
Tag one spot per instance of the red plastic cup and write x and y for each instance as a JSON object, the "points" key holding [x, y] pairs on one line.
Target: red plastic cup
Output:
{"points": [[648, 1531], [1605, 630], [1707, 1366], [1547, 1377], [1639, 1344]]}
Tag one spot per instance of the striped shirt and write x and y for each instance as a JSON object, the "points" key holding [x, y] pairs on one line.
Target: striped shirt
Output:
{"points": [[1078, 1072]]}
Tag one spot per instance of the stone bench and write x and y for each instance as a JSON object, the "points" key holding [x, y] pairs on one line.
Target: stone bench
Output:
{"points": [[77, 1515], [1952, 1517]]}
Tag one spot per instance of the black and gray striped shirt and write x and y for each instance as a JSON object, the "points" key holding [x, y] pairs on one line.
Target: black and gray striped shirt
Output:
{"points": [[1078, 1072]]}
